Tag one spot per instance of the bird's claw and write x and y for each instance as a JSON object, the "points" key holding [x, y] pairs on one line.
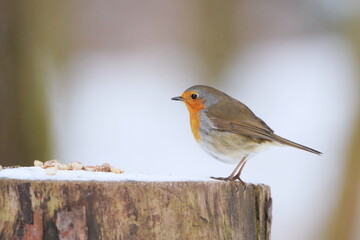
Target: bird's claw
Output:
{"points": [[231, 179], [221, 178]]}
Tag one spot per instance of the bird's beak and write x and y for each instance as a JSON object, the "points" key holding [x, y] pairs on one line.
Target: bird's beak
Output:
{"points": [[178, 98]]}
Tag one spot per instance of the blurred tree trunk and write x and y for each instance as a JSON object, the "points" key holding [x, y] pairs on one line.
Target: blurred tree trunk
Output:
{"points": [[343, 224], [25, 47], [215, 38], [12, 145]]}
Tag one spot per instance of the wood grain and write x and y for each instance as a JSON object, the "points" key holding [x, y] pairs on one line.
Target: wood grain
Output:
{"points": [[133, 210]]}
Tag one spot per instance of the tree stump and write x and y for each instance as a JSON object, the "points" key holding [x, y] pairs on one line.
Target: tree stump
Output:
{"points": [[43, 209]]}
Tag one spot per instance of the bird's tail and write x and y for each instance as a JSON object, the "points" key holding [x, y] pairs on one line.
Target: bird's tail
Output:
{"points": [[294, 144]]}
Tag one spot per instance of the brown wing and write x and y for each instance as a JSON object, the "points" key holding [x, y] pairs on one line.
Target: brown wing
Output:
{"points": [[236, 117]]}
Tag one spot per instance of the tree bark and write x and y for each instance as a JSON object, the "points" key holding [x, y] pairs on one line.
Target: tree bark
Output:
{"points": [[133, 210]]}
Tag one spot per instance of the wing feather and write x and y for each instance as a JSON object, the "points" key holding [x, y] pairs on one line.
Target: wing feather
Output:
{"points": [[238, 118]]}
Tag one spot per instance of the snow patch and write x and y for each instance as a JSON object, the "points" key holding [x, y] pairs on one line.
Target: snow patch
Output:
{"points": [[38, 173]]}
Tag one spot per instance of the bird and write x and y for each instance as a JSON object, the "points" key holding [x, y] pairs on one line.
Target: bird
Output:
{"points": [[227, 129]]}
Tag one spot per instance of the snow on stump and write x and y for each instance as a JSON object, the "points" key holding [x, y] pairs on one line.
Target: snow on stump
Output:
{"points": [[91, 205]]}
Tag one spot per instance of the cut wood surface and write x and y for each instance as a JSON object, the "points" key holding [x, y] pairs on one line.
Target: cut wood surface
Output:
{"points": [[38, 209]]}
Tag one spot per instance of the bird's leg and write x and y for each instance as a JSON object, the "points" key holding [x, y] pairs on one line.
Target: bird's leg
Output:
{"points": [[236, 170], [236, 173], [237, 176]]}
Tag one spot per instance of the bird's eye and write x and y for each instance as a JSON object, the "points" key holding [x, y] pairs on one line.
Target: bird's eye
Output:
{"points": [[194, 96]]}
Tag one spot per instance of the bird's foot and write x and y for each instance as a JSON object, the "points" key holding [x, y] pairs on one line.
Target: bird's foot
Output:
{"points": [[236, 177], [221, 178], [231, 179]]}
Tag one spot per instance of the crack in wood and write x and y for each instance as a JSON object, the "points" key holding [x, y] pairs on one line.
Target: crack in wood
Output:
{"points": [[204, 219]]}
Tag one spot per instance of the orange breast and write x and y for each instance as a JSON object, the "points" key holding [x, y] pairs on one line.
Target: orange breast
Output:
{"points": [[195, 125], [195, 118]]}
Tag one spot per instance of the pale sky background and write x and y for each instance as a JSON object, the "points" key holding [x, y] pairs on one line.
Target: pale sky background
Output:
{"points": [[110, 70], [119, 111]]}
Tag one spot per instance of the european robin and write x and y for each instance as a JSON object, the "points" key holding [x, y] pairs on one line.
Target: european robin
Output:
{"points": [[227, 128]]}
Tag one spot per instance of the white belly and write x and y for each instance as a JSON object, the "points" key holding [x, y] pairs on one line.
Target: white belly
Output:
{"points": [[229, 147]]}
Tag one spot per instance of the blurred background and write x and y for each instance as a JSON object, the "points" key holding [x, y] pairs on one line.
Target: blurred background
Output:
{"points": [[91, 81]]}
